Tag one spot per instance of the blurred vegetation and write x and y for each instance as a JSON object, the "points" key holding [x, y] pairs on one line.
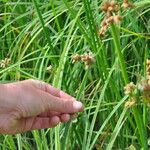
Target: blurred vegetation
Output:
{"points": [[36, 34]]}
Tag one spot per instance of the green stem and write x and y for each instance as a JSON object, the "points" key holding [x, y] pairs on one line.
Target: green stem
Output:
{"points": [[43, 24], [141, 128], [119, 53], [79, 94], [82, 86]]}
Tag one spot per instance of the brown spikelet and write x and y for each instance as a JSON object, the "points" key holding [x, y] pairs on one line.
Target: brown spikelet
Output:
{"points": [[117, 19], [110, 8], [130, 103], [88, 59], [129, 88], [76, 58], [126, 4]]}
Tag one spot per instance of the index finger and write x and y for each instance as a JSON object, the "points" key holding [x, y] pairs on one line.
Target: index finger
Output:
{"points": [[51, 90]]}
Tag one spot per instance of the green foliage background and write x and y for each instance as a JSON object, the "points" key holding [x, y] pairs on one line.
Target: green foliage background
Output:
{"points": [[36, 34]]}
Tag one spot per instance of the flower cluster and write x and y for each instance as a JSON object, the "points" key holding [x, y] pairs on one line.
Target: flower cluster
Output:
{"points": [[4, 63], [130, 103], [143, 87], [87, 58], [111, 10], [129, 88], [49, 68], [145, 84], [127, 4], [76, 58], [110, 6]]}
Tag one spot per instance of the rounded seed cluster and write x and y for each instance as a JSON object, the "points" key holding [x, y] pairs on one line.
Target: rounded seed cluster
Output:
{"points": [[129, 88], [87, 58], [76, 58], [110, 6], [130, 103], [111, 10], [126, 4]]}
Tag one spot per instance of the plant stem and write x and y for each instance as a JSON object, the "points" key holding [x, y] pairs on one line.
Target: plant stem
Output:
{"points": [[119, 53], [43, 24]]}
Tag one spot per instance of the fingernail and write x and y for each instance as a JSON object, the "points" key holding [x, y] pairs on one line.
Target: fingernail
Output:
{"points": [[77, 105]]}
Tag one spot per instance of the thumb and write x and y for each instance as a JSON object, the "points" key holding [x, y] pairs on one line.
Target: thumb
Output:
{"points": [[61, 105]]}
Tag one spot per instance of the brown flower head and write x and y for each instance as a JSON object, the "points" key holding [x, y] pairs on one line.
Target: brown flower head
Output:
{"points": [[129, 88], [105, 6], [126, 4], [117, 19], [110, 6], [88, 59], [76, 58]]}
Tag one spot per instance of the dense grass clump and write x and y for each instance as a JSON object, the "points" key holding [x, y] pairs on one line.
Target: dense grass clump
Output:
{"points": [[62, 43]]}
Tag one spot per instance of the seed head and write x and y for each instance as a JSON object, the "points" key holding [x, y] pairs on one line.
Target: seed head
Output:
{"points": [[145, 90], [110, 20], [105, 6], [110, 7], [117, 7], [49, 68], [76, 58], [101, 33], [4, 63], [144, 86], [126, 4], [117, 19], [88, 59], [129, 88], [130, 103], [148, 62], [148, 69], [104, 23]]}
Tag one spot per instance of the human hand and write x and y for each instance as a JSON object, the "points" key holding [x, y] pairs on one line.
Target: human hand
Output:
{"points": [[32, 104]]}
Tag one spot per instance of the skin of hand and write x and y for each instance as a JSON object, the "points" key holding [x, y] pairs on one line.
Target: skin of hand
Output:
{"points": [[33, 104]]}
